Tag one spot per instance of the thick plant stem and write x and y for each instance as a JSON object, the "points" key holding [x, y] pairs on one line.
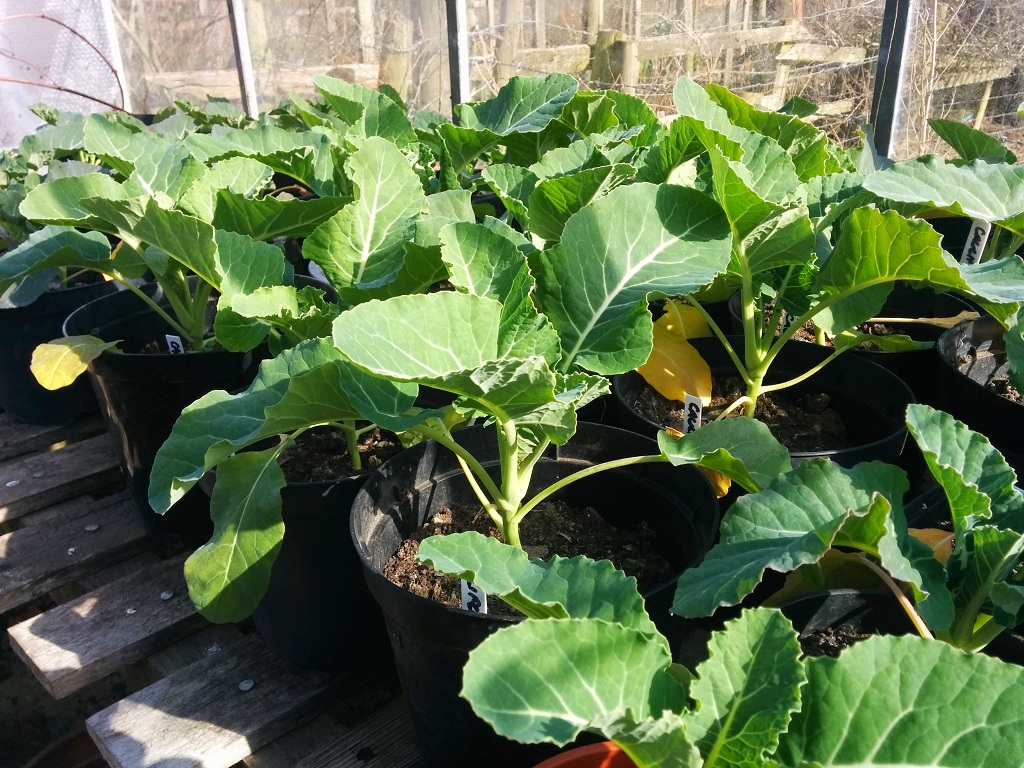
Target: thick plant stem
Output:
{"points": [[153, 305], [904, 601]]}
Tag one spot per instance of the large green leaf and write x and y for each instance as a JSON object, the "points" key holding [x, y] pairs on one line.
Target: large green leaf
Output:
{"points": [[559, 588], [909, 702], [544, 681], [743, 449], [974, 475], [485, 262], [369, 112], [747, 690], [51, 247], [240, 176], [228, 575], [60, 201], [554, 200], [244, 264], [268, 218], [637, 240], [991, 556], [970, 143], [874, 250], [120, 147], [993, 192], [362, 247], [791, 523], [523, 105]]}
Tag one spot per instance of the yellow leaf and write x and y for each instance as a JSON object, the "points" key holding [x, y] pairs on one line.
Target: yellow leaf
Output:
{"points": [[675, 368], [58, 363], [941, 542], [720, 483]]}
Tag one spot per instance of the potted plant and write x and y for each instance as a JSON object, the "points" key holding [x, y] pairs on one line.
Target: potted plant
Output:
{"points": [[812, 240], [594, 662], [523, 341], [827, 524]]}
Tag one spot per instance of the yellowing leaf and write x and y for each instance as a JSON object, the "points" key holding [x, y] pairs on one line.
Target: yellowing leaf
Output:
{"points": [[58, 363], [675, 368], [941, 542], [720, 483]]}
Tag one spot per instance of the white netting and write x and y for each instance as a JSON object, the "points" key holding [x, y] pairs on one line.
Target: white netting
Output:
{"points": [[39, 44]]}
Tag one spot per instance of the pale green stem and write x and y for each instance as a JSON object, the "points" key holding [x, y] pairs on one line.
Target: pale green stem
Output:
{"points": [[739, 401], [587, 472], [802, 377], [721, 337], [904, 601], [475, 469], [152, 305]]}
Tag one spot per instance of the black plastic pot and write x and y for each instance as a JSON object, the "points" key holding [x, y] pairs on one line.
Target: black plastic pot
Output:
{"points": [[865, 611], [872, 400], [317, 611], [431, 642], [973, 354], [22, 329], [143, 394]]}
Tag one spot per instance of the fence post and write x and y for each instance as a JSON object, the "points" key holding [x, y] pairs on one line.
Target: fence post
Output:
{"points": [[396, 54], [630, 71], [508, 41], [595, 20], [603, 68]]}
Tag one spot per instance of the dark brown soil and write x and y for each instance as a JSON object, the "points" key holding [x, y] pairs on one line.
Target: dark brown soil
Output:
{"points": [[322, 454], [800, 422], [1004, 388], [552, 528], [830, 641]]}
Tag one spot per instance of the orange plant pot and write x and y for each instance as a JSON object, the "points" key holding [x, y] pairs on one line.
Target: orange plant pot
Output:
{"points": [[605, 755]]}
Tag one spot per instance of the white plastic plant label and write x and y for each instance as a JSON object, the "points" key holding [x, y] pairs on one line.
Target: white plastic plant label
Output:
{"points": [[174, 345], [473, 598], [976, 240], [693, 407]]}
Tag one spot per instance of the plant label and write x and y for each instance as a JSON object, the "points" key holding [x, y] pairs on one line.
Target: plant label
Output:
{"points": [[174, 345], [693, 407], [975, 244], [473, 598], [787, 320]]}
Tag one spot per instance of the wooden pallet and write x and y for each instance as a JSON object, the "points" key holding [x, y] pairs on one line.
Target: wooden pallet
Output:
{"points": [[75, 558]]}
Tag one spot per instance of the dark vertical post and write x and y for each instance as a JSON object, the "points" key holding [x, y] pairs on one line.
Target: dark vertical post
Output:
{"points": [[243, 57], [458, 51], [887, 101]]}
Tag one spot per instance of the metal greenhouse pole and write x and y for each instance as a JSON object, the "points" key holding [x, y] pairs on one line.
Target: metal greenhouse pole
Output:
{"points": [[243, 57], [887, 103], [458, 51]]}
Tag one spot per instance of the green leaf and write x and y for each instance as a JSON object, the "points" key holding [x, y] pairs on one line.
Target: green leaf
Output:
{"points": [[907, 701], [58, 363], [970, 143], [370, 112], [244, 264], [636, 241], [874, 250], [981, 190], [522, 105], [974, 475], [559, 588], [747, 690], [269, 218], [991, 556], [52, 247], [791, 523], [361, 247], [553, 201], [513, 185], [59, 201], [484, 262], [743, 449], [240, 176], [543, 681], [228, 575], [167, 174], [119, 146]]}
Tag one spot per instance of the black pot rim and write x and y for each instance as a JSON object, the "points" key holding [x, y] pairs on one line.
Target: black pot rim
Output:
{"points": [[371, 571]]}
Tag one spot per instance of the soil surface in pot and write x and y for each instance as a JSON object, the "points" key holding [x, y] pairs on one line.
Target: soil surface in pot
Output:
{"points": [[804, 422], [322, 454], [999, 384], [831, 641], [552, 528]]}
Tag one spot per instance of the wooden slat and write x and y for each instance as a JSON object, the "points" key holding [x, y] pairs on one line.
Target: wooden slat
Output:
{"points": [[36, 559], [201, 717], [17, 439], [86, 639], [384, 740], [823, 54], [36, 481], [653, 48]]}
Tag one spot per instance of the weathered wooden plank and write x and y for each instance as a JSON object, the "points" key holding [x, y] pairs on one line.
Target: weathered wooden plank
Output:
{"points": [[652, 48], [384, 740], [37, 559], [32, 482], [212, 713], [823, 54], [284, 752], [17, 439], [86, 639], [561, 58]]}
